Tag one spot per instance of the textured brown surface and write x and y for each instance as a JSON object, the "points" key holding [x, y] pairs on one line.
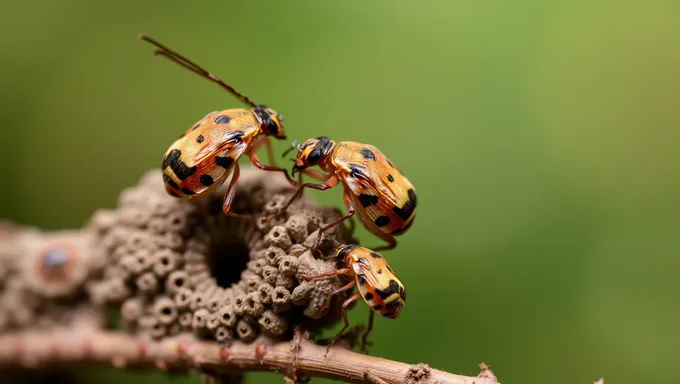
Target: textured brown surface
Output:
{"points": [[179, 265], [43, 276]]}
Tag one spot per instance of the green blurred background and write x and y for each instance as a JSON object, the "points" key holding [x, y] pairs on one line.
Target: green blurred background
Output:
{"points": [[542, 139]]}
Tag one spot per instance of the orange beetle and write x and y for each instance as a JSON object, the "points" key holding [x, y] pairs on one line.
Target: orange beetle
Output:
{"points": [[384, 198], [208, 152], [378, 285]]}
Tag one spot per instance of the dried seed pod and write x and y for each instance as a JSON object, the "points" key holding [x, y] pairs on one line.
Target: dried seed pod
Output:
{"points": [[176, 280], [223, 334], [176, 222], [165, 310], [183, 298], [278, 237], [200, 319], [213, 322], [147, 284], [273, 256], [228, 316], [246, 331], [288, 265], [165, 262], [281, 299], [269, 274], [198, 301], [251, 280], [273, 323], [252, 306], [264, 292], [238, 303]]}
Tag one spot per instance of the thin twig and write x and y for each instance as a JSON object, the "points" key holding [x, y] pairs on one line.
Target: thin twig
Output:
{"points": [[61, 346]]}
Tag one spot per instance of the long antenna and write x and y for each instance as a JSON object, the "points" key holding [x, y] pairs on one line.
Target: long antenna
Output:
{"points": [[193, 67]]}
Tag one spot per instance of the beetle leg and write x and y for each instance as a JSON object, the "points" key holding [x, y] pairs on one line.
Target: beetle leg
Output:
{"points": [[391, 241], [331, 182], [346, 304], [229, 196], [350, 213], [316, 174], [364, 338], [347, 287], [256, 160]]}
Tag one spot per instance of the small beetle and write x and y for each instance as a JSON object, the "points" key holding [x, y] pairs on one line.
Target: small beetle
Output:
{"points": [[378, 285], [208, 152], [384, 198]]}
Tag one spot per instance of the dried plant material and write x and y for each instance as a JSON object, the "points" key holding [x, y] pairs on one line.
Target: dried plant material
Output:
{"points": [[199, 270]]}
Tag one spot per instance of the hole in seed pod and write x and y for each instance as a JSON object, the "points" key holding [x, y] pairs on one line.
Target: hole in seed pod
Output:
{"points": [[279, 295], [227, 260], [167, 311]]}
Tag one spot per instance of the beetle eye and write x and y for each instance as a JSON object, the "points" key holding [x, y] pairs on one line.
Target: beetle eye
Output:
{"points": [[272, 127], [314, 156]]}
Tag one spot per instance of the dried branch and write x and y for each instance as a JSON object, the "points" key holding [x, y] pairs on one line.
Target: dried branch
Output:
{"points": [[299, 358]]}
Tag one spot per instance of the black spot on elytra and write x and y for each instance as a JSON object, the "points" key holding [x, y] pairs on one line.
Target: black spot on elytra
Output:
{"points": [[407, 210], [357, 172], [382, 221], [368, 296], [393, 304], [200, 139], [207, 180], [188, 191], [390, 163], [361, 279], [168, 180], [173, 194], [368, 200], [378, 307], [391, 289], [376, 255], [222, 119], [390, 178], [178, 167], [379, 271], [390, 269], [195, 127], [224, 162], [367, 154]]}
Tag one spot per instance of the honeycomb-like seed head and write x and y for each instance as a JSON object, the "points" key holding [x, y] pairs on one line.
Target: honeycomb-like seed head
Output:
{"points": [[185, 266]]}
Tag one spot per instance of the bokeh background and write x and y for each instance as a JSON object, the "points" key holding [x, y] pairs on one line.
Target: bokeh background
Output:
{"points": [[543, 139]]}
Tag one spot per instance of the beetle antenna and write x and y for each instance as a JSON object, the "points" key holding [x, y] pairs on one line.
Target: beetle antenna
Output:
{"points": [[293, 146], [193, 67]]}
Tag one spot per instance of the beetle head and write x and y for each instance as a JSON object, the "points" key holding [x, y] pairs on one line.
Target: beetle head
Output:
{"points": [[271, 122], [313, 152]]}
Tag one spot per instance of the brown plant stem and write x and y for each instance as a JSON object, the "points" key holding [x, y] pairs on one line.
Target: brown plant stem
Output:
{"points": [[300, 358]]}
